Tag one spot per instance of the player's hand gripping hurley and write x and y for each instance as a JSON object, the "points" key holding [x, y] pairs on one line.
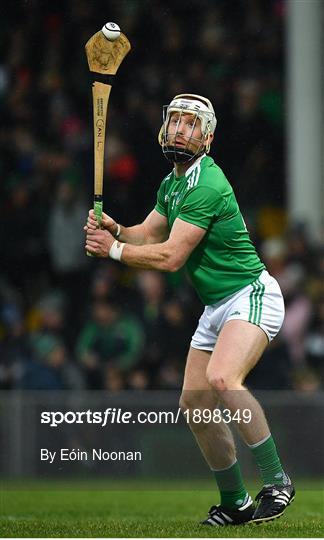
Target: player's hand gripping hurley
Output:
{"points": [[105, 52]]}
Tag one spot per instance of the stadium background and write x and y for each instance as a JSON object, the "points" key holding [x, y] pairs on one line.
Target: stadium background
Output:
{"points": [[68, 322]]}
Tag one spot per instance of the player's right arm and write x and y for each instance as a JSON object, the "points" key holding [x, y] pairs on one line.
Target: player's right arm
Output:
{"points": [[154, 229]]}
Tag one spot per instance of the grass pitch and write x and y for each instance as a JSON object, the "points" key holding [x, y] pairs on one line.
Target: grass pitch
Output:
{"points": [[167, 509]]}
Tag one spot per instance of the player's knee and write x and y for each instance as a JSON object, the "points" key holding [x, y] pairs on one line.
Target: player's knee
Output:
{"points": [[190, 400], [219, 382]]}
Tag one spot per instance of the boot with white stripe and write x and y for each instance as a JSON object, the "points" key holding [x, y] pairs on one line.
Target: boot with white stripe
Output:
{"points": [[272, 502], [219, 516]]}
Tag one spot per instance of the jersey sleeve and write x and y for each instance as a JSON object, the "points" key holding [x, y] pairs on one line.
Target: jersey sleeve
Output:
{"points": [[201, 206], [160, 201]]}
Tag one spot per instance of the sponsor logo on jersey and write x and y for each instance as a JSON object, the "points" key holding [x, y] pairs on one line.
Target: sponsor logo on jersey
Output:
{"points": [[176, 198]]}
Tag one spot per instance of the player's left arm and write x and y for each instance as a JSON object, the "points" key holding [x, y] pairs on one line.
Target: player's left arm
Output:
{"points": [[166, 256]]}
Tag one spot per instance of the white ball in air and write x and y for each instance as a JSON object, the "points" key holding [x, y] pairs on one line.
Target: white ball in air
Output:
{"points": [[111, 31]]}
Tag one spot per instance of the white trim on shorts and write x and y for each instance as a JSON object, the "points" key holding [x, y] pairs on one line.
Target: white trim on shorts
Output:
{"points": [[260, 303]]}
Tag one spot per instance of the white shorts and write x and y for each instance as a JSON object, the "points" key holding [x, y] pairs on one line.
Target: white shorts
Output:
{"points": [[260, 303]]}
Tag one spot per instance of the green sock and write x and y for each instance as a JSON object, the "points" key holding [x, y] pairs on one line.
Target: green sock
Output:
{"points": [[231, 487], [268, 462]]}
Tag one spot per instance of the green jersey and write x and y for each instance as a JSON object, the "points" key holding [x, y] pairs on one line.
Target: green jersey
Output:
{"points": [[225, 260]]}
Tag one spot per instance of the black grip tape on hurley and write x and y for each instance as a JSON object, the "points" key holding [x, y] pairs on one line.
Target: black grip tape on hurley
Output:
{"points": [[99, 77]]}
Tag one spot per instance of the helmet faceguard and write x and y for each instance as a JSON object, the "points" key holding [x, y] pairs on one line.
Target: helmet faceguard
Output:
{"points": [[199, 107]]}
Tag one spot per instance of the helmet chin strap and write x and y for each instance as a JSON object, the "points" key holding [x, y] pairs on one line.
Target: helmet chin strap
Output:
{"points": [[174, 154]]}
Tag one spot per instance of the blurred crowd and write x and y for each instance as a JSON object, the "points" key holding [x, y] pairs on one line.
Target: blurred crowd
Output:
{"points": [[68, 321]]}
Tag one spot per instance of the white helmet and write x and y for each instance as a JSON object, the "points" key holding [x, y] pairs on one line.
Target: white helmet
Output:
{"points": [[202, 108]]}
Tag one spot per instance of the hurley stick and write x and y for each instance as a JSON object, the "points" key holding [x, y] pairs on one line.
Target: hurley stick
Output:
{"points": [[105, 52]]}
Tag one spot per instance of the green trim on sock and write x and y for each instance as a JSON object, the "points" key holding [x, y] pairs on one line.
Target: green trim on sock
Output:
{"points": [[231, 486], [268, 462]]}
